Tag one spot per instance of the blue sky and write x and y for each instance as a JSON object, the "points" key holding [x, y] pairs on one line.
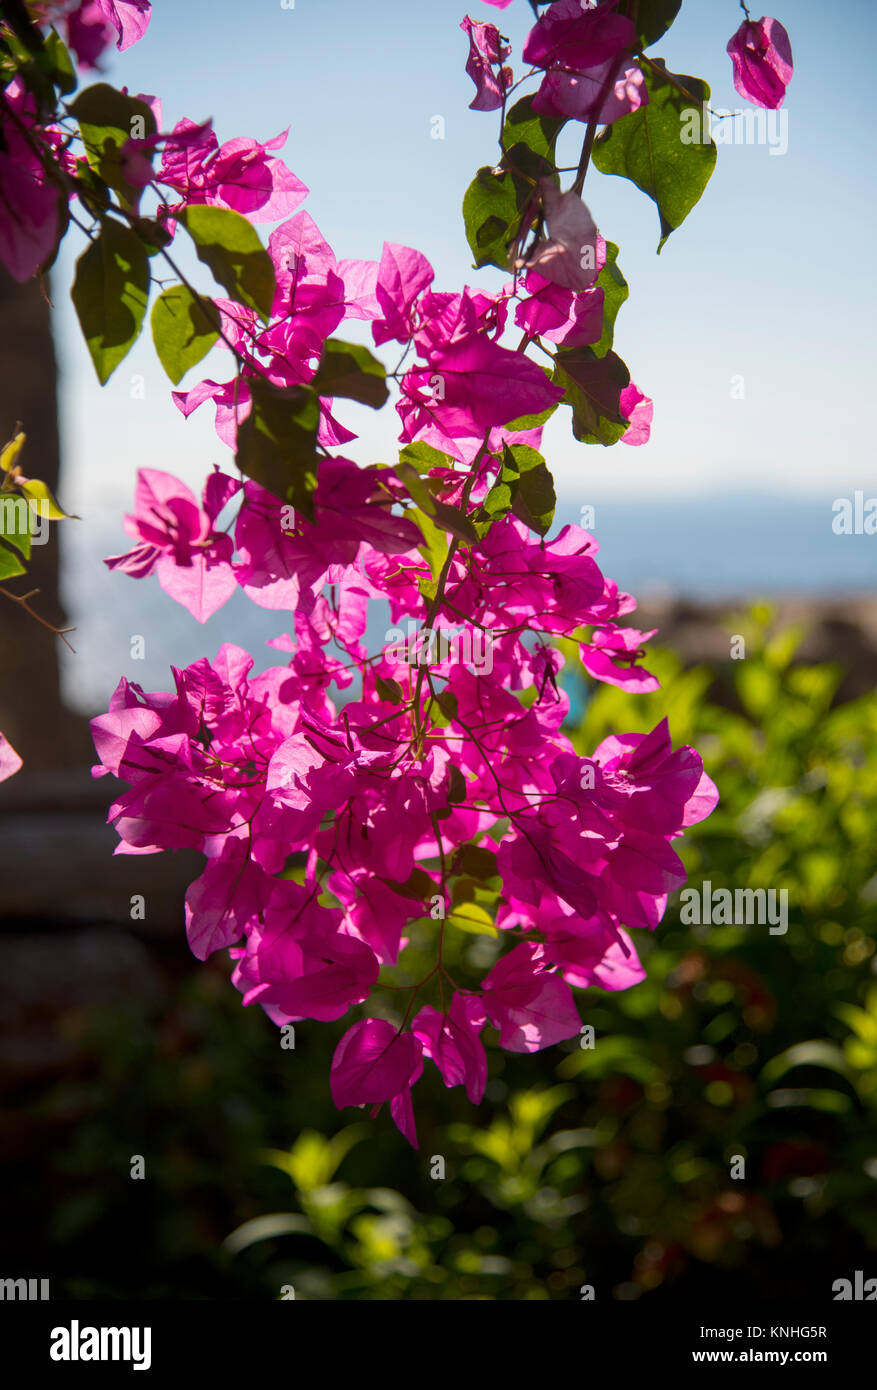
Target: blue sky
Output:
{"points": [[770, 278]]}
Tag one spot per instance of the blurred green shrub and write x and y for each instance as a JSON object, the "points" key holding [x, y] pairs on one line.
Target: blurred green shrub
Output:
{"points": [[742, 1053]]}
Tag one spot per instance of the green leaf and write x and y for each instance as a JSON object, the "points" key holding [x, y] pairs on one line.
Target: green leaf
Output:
{"points": [[778, 652], [457, 786], [469, 917], [593, 388], [534, 498], [648, 146], [390, 691], [33, 491], [615, 291], [492, 212], [464, 890], [653, 18], [33, 57], [834, 1102], [59, 64], [524, 127], [528, 142], [228, 244], [269, 1227], [524, 487], [417, 885], [758, 687], [153, 235], [447, 518], [498, 502], [40, 496], [22, 34], [93, 192], [476, 862], [453, 520], [447, 703], [424, 457], [101, 108], [312, 1161], [418, 490], [183, 329], [10, 564], [497, 198], [276, 443], [10, 452], [110, 293], [434, 550], [351, 371], [814, 1053], [107, 119], [15, 522], [864, 1024], [532, 422]]}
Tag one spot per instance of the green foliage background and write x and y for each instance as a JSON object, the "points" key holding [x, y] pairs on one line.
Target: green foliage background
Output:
{"points": [[608, 1166]]}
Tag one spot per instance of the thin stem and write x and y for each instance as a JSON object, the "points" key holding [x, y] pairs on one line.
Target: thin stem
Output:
{"points": [[444, 872], [23, 601], [668, 77], [591, 133], [443, 577]]}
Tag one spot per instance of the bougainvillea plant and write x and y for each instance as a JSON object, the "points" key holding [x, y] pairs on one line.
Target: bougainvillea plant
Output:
{"points": [[443, 788]]}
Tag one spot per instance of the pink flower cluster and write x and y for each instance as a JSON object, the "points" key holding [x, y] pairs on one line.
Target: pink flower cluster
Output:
{"points": [[465, 381], [330, 827], [461, 396], [30, 208], [242, 174], [377, 796], [585, 50], [251, 769], [93, 25], [585, 53]]}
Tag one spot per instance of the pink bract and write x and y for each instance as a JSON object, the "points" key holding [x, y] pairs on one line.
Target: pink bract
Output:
{"points": [[29, 209], [178, 541], [486, 53], [10, 762], [761, 54]]}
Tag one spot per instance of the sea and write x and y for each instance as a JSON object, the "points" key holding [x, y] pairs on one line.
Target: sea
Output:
{"points": [[724, 547]]}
